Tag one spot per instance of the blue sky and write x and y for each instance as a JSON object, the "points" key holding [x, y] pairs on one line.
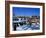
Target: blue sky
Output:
{"points": [[21, 11]]}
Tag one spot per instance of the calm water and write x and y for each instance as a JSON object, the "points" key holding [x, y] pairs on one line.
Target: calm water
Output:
{"points": [[28, 27]]}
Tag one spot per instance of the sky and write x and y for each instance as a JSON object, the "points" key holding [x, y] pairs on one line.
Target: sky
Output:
{"points": [[22, 11]]}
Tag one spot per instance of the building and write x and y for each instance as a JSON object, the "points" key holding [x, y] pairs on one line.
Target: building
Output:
{"points": [[24, 20]]}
